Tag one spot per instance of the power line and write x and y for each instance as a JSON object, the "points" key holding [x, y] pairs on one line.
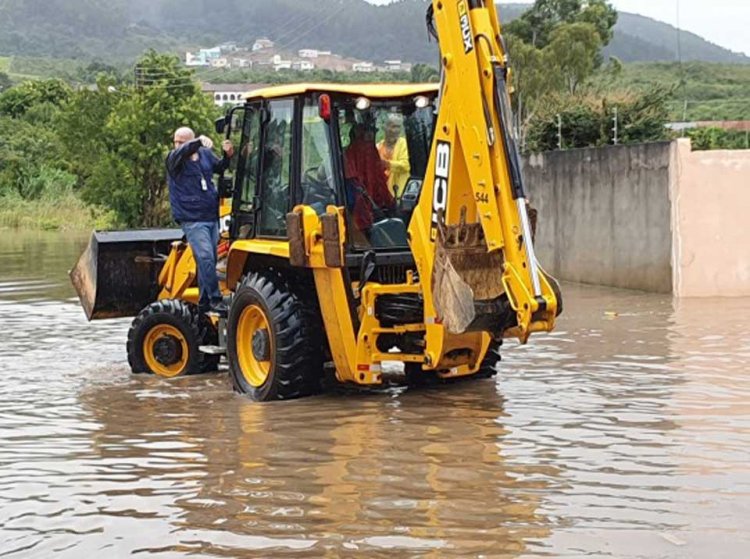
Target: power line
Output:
{"points": [[683, 83]]}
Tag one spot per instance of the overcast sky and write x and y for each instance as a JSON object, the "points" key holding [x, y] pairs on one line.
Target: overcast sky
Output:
{"points": [[724, 22]]}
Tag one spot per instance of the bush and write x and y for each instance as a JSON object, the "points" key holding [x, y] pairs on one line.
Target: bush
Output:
{"points": [[63, 213], [45, 182], [718, 138], [587, 120]]}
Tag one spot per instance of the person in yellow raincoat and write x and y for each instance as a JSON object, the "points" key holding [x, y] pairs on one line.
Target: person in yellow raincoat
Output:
{"points": [[395, 154]]}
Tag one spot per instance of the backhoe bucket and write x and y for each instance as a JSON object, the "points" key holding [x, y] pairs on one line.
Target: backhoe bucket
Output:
{"points": [[117, 274], [466, 277]]}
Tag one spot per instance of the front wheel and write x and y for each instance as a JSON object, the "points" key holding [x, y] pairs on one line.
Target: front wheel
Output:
{"points": [[165, 337], [274, 344]]}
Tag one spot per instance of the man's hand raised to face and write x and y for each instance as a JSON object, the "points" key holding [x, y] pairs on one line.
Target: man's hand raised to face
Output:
{"points": [[206, 142]]}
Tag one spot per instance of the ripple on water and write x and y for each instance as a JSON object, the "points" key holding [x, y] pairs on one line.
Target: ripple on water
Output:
{"points": [[622, 434]]}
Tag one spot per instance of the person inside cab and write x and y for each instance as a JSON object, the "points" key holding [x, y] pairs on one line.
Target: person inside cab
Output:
{"points": [[366, 183], [395, 154]]}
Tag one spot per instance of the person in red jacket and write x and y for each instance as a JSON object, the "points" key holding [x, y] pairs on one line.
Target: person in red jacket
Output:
{"points": [[366, 179]]}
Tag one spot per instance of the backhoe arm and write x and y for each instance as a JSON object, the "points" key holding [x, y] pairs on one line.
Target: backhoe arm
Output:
{"points": [[470, 232]]}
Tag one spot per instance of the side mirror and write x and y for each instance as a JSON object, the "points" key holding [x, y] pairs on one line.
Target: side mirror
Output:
{"points": [[220, 125], [225, 187]]}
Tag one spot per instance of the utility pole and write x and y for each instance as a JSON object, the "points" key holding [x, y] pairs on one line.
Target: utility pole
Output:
{"points": [[137, 76], [559, 131], [615, 140]]}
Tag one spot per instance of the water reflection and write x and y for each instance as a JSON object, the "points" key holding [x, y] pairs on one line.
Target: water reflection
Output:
{"points": [[622, 434], [34, 264], [420, 472]]}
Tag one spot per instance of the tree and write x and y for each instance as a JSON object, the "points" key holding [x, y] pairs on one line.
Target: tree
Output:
{"points": [[530, 80], [572, 51], [81, 125], [537, 24], [130, 176], [25, 149], [5, 82], [424, 73], [17, 100]]}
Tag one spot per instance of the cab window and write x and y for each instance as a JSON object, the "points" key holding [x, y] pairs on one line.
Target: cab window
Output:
{"points": [[385, 146], [275, 168], [317, 178]]}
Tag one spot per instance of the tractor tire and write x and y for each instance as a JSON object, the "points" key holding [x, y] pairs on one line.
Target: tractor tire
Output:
{"points": [[274, 340], [164, 339], [488, 368]]}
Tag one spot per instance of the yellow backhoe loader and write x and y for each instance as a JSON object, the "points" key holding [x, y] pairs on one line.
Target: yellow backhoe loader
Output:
{"points": [[365, 224]]}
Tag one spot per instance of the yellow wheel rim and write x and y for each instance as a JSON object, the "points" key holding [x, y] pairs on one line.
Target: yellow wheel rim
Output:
{"points": [[254, 345], [165, 350]]}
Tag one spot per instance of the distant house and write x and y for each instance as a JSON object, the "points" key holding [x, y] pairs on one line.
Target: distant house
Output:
{"points": [[195, 60], [363, 67], [242, 62], [396, 66], [263, 43], [228, 47], [221, 62], [223, 93], [211, 53], [304, 65], [203, 57], [280, 64], [312, 53]]}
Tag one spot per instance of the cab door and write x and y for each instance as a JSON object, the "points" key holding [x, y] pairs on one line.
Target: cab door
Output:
{"points": [[277, 179], [246, 201]]}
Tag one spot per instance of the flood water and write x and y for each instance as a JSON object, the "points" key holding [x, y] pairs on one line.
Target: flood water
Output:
{"points": [[624, 434]]}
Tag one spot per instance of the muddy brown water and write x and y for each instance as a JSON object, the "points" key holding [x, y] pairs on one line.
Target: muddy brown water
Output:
{"points": [[626, 433]]}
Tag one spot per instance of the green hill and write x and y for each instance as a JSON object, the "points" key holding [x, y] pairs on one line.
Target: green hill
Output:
{"points": [[641, 39], [119, 30]]}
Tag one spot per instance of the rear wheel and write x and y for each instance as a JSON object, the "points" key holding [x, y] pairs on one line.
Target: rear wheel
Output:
{"points": [[489, 363], [274, 342], [164, 339]]}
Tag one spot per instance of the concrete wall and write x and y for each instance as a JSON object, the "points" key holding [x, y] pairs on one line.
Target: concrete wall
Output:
{"points": [[710, 191], [604, 215]]}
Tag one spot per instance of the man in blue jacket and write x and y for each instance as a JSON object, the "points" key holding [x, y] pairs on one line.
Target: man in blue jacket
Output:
{"points": [[195, 206]]}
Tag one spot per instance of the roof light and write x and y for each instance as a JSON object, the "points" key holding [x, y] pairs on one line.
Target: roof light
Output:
{"points": [[420, 101], [362, 103]]}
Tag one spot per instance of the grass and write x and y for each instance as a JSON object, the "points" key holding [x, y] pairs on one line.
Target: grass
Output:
{"points": [[67, 213], [4, 64]]}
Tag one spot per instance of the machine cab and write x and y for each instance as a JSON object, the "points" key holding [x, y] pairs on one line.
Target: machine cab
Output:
{"points": [[364, 148]]}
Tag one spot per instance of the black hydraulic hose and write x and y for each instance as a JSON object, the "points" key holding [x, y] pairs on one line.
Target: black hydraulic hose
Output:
{"points": [[430, 18], [511, 148]]}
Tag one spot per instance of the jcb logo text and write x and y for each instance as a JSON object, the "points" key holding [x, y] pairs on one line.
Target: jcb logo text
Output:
{"points": [[440, 186]]}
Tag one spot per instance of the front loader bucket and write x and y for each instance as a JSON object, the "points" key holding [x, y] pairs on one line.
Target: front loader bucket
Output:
{"points": [[117, 273]]}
